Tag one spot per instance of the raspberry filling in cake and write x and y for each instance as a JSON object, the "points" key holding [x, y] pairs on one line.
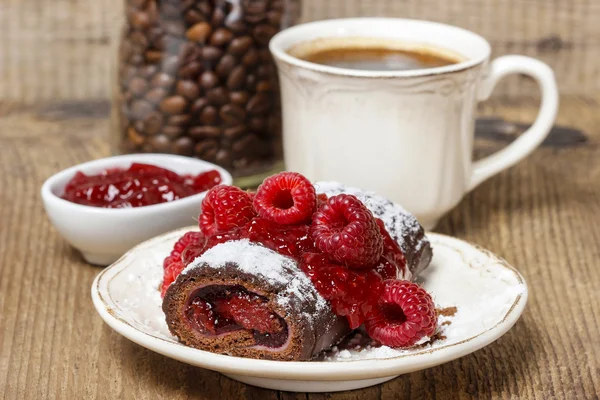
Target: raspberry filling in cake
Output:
{"points": [[336, 241], [221, 309]]}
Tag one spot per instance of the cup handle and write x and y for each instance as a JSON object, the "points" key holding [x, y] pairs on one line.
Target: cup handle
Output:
{"points": [[533, 137]]}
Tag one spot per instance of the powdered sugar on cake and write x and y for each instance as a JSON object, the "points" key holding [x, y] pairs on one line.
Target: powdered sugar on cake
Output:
{"points": [[276, 269]]}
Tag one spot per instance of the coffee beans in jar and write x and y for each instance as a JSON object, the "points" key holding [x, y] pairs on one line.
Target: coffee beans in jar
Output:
{"points": [[195, 77]]}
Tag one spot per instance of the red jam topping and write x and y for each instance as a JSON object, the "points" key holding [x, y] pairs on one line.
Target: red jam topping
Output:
{"points": [[139, 185], [353, 293]]}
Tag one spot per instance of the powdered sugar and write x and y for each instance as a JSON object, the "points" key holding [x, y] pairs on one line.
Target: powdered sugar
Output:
{"points": [[276, 269]]}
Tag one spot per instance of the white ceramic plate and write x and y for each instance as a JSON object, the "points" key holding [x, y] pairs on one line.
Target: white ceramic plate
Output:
{"points": [[489, 294]]}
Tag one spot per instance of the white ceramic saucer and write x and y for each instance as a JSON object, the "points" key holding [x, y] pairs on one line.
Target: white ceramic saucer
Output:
{"points": [[489, 294]]}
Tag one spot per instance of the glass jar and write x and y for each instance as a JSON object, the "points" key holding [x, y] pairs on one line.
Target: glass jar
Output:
{"points": [[196, 78]]}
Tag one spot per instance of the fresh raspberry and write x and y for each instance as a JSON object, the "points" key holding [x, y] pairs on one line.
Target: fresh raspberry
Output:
{"points": [[392, 263], [225, 208], [287, 198], [353, 294], [346, 230], [406, 314], [321, 199], [196, 238], [251, 312], [171, 272]]}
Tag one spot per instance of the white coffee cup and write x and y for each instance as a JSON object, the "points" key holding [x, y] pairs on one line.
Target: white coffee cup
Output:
{"points": [[407, 135]]}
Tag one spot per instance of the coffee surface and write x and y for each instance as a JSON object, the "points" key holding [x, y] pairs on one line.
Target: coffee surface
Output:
{"points": [[377, 58]]}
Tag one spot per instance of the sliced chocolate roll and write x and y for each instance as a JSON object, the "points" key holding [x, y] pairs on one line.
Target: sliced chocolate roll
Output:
{"points": [[402, 226], [245, 300]]}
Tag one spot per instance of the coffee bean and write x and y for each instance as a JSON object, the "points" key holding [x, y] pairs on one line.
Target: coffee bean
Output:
{"points": [[257, 124], [198, 105], [232, 114], [246, 145], [173, 105], [218, 96], [174, 27], [235, 131], [258, 104], [204, 132], [172, 131], [263, 86], [223, 157], [138, 40], [239, 98], [138, 86], [205, 8], [179, 120], [140, 109], [263, 71], [251, 58], [236, 26], [161, 143], [136, 59], [135, 137], [153, 56], [199, 32], [278, 5], [139, 126], [156, 95], [153, 123], [256, 6], [274, 18], [147, 71], [170, 64], [221, 37], [237, 78], [188, 89], [263, 33], [251, 81], [266, 57], [173, 45], [209, 80], [138, 3], [192, 17], [184, 5], [206, 149], [240, 45], [255, 18], [163, 80], [209, 115], [139, 20], [169, 10], [226, 65], [184, 146], [190, 70], [218, 17], [211, 53]]}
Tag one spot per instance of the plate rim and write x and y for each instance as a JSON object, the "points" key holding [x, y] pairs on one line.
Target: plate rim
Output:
{"points": [[305, 370]]}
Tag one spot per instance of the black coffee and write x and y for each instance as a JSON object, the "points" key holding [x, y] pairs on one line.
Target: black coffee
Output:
{"points": [[377, 59]]}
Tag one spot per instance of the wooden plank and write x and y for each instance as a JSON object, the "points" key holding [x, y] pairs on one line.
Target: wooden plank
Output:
{"points": [[62, 49]]}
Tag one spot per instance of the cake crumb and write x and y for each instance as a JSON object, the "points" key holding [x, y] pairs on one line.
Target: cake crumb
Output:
{"points": [[447, 311]]}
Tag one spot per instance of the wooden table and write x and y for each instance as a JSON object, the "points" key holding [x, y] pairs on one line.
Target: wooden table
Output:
{"points": [[542, 216]]}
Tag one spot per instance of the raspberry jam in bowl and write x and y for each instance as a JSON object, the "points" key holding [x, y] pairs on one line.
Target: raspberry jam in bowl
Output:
{"points": [[139, 185], [103, 234]]}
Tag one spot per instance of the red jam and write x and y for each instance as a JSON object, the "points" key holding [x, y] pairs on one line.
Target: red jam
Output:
{"points": [[139, 185], [353, 293]]}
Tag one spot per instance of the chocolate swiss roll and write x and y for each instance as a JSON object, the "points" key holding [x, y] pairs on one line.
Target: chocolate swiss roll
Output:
{"points": [[245, 300], [402, 226]]}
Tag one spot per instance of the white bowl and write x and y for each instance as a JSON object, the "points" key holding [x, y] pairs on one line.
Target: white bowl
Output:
{"points": [[103, 235], [489, 294]]}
